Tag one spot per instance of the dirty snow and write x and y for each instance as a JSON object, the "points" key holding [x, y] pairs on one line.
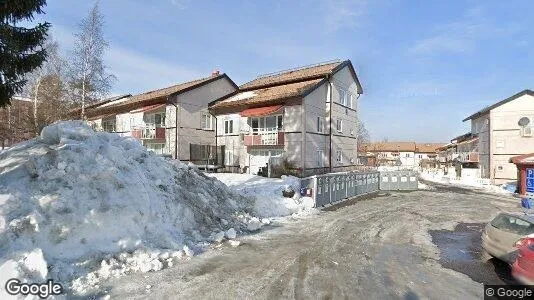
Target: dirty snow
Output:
{"points": [[438, 177], [80, 206], [268, 195]]}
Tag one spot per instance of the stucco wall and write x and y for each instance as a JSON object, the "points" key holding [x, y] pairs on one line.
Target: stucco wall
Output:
{"points": [[506, 140]]}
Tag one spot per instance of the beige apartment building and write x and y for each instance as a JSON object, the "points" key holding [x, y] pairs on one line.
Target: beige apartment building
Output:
{"points": [[503, 130], [306, 117]]}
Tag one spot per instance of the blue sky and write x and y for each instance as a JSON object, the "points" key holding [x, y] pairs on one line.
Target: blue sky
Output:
{"points": [[424, 65]]}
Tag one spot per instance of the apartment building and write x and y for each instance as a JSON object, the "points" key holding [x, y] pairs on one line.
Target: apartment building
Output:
{"points": [[306, 117], [500, 132], [172, 121], [402, 154]]}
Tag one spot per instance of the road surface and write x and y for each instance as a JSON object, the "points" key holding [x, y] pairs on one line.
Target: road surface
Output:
{"points": [[376, 248]]}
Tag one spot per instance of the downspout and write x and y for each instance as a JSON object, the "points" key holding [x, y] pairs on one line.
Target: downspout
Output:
{"points": [[330, 123], [216, 138]]}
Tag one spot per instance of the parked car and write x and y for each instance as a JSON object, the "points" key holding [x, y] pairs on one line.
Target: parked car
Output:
{"points": [[503, 232], [523, 267]]}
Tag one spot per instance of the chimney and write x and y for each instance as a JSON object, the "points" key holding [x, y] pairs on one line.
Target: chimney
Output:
{"points": [[215, 73]]}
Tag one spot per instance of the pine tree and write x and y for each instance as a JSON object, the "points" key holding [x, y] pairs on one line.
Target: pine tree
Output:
{"points": [[21, 48]]}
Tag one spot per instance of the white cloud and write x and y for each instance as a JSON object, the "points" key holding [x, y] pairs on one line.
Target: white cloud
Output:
{"points": [[462, 35], [135, 72], [181, 4], [343, 14]]}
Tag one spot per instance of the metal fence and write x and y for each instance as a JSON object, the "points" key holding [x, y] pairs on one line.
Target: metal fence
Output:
{"points": [[334, 187], [398, 180]]}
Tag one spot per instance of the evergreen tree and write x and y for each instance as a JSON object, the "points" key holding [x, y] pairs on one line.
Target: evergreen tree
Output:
{"points": [[21, 48]]}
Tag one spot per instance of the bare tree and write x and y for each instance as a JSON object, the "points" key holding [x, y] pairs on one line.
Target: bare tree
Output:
{"points": [[46, 87], [89, 79], [363, 135]]}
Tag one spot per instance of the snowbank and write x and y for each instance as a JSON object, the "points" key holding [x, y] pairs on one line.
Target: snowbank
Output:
{"points": [[268, 194], [438, 177], [79, 206]]}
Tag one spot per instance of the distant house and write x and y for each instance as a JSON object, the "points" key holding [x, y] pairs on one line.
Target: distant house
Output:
{"points": [[405, 154], [172, 121], [305, 117], [500, 132], [15, 122]]}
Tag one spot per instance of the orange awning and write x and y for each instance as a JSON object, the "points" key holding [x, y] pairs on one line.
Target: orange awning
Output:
{"points": [[260, 111]]}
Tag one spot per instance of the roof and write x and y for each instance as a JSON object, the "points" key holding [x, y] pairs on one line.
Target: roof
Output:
{"points": [[487, 109], [275, 87], [390, 147], [428, 147], [403, 147], [267, 96], [158, 96], [525, 159]]}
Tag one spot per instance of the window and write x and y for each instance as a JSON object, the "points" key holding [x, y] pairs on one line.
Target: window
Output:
{"points": [[339, 156], [407, 154], [320, 160], [228, 126], [339, 125], [269, 123], [513, 224], [206, 121], [349, 100], [420, 155], [155, 120], [156, 148], [320, 124], [342, 96], [109, 125]]}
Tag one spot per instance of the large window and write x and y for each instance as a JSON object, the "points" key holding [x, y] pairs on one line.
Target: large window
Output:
{"points": [[320, 124], [155, 120], [228, 126], [269, 123], [206, 121], [342, 96]]}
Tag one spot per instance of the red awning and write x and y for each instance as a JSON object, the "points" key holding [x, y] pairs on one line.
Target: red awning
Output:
{"points": [[260, 111], [149, 108]]}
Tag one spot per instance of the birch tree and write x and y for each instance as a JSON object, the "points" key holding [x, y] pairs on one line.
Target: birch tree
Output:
{"points": [[89, 79]]}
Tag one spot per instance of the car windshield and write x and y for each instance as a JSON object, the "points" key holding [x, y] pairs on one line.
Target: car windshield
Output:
{"points": [[513, 224]]}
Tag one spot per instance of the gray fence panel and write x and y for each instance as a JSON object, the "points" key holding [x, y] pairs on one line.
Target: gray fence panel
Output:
{"points": [[403, 180]]}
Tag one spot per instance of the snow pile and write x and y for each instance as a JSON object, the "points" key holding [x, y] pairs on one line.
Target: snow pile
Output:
{"points": [[423, 186], [484, 183], [268, 194], [79, 206]]}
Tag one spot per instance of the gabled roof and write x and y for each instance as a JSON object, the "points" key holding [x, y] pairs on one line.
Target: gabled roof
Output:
{"points": [[158, 96], [428, 147], [487, 109], [276, 87]]}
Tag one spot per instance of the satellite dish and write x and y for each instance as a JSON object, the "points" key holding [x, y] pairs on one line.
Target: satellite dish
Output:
{"points": [[524, 121]]}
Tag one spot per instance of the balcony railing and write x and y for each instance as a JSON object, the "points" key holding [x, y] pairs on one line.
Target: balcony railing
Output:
{"points": [[149, 132], [264, 137], [466, 157]]}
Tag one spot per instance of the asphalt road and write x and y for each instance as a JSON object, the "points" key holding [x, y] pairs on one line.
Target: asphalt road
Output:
{"points": [[394, 246]]}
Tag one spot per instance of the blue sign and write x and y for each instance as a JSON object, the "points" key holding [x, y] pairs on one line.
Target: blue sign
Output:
{"points": [[525, 203], [530, 180]]}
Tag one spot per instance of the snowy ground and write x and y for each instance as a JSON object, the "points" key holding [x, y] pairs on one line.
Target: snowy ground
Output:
{"points": [[468, 182], [268, 194], [378, 248], [81, 207]]}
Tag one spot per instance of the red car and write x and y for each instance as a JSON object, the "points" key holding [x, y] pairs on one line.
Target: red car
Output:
{"points": [[523, 267]]}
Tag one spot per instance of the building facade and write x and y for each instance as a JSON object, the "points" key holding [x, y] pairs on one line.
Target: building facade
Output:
{"points": [[304, 119], [172, 121], [408, 155], [503, 130]]}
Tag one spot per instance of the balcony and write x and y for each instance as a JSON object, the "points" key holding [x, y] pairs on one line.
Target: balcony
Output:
{"points": [[149, 133], [264, 138], [468, 157]]}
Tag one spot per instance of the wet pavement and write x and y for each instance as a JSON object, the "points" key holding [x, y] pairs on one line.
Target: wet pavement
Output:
{"points": [[461, 251]]}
